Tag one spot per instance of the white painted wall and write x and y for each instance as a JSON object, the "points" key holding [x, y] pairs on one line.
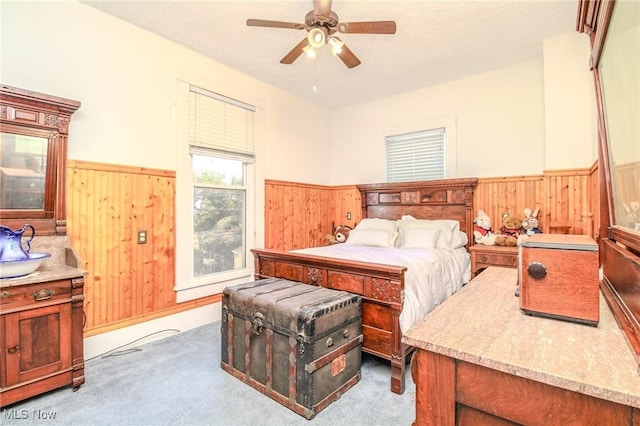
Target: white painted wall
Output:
{"points": [[513, 121], [125, 78], [571, 137], [499, 119]]}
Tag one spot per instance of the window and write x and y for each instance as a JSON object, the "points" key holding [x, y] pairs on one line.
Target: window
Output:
{"points": [[214, 193], [219, 214], [416, 156]]}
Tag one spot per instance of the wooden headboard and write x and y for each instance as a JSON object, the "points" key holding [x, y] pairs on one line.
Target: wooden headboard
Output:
{"points": [[433, 199]]}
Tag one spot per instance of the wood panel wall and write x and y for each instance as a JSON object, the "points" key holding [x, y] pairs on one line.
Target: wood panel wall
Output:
{"points": [[106, 207], [130, 283], [299, 215], [558, 194]]}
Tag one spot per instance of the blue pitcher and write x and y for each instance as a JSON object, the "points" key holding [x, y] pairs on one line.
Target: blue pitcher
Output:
{"points": [[11, 249]]}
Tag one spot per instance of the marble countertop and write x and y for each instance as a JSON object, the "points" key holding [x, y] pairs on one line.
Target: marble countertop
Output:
{"points": [[63, 263], [483, 324], [44, 273]]}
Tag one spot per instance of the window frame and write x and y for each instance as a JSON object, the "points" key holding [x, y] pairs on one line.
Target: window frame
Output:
{"points": [[450, 144], [400, 146], [187, 285]]}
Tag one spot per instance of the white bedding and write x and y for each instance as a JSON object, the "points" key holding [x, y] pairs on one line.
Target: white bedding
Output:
{"points": [[432, 274]]}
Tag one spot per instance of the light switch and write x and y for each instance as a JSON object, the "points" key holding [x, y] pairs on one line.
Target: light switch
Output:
{"points": [[142, 236]]}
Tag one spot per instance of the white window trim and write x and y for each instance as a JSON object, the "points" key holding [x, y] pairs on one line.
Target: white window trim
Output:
{"points": [[186, 286], [451, 144]]}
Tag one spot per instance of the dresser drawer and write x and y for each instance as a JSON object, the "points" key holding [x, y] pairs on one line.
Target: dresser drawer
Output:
{"points": [[27, 295], [484, 256], [498, 259]]}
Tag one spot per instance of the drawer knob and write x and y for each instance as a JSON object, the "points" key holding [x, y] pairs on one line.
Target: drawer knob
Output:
{"points": [[537, 270], [345, 333], [329, 342], [13, 350], [484, 258]]}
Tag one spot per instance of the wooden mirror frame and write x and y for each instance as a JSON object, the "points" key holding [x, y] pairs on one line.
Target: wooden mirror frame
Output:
{"points": [[32, 113], [619, 246]]}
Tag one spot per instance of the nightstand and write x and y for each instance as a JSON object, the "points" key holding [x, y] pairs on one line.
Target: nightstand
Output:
{"points": [[484, 256]]}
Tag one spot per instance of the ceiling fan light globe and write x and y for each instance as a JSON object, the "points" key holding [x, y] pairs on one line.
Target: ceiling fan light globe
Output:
{"points": [[310, 52], [336, 45], [317, 37]]}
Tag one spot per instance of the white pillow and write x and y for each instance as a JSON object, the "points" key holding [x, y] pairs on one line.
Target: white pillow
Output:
{"points": [[372, 237], [448, 230], [460, 240], [375, 223], [419, 238]]}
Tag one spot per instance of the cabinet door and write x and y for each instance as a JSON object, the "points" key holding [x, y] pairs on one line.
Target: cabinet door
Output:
{"points": [[38, 343]]}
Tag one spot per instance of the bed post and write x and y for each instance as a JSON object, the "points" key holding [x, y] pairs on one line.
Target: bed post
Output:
{"points": [[398, 356], [468, 203]]}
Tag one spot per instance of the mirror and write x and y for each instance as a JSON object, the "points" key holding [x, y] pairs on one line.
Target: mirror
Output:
{"points": [[34, 128], [23, 167], [619, 69]]}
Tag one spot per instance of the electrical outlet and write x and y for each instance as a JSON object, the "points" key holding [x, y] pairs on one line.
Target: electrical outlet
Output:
{"points": [[142, 236], [348, 215]]}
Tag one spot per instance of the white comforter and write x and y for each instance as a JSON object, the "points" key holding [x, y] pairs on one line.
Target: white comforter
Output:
{"points": [[432, 275]]}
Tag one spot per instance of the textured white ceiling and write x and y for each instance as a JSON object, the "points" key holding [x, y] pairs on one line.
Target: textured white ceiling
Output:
{"points": [[435, 41]]}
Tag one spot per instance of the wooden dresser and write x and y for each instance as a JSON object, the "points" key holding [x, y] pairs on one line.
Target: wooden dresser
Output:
{"points": [[480, 360], [41, 323]]}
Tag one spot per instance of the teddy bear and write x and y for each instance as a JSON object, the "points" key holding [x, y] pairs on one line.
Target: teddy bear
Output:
{"points": [[483, 232], [340, 234], [530, 222], [511, 233]]}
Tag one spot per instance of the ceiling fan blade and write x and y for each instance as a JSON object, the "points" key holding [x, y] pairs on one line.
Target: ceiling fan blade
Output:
{"points": [[322, 8], [274, 24], [347, 56], [295, 52], [372, 27]]}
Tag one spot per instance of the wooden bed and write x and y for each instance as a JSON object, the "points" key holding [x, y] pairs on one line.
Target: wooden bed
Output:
{"points": [[381, 286]]}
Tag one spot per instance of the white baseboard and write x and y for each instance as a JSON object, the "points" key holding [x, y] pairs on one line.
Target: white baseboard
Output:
{"points": [[149, 331]]}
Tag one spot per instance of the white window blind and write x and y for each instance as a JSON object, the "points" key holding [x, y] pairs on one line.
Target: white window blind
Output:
{"points": [[220, 123], [416, 156]]}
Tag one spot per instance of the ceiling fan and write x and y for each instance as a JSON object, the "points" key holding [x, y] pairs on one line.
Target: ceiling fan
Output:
{"points": [[322, 24]]}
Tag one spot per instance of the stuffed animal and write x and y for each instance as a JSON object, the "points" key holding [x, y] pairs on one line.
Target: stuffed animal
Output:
{"points": [[340, 234], [530, 222], [511, 232], [483, 233]]}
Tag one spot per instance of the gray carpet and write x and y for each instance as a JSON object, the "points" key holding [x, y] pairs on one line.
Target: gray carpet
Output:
{"points": [[178, 381]]}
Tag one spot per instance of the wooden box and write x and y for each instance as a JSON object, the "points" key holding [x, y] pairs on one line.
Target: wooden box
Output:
{"points": [[296, 343], [558, 275]]}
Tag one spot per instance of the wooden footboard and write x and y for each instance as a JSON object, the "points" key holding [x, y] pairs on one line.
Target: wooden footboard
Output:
{"points": [[381, 288]]}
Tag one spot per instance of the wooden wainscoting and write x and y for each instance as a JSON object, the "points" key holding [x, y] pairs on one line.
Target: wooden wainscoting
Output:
{"points": [[130, 283], [559, 194], [127, 282], [299, 215], [342, 201]]}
